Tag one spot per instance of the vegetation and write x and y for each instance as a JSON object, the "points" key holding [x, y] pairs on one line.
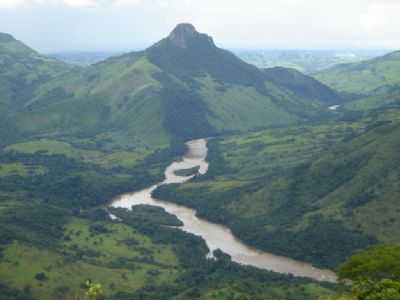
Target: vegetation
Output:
{"points": [[374, 274], [326, 183], [306, 61], [363, 77], [191, 92], [286, 174]]}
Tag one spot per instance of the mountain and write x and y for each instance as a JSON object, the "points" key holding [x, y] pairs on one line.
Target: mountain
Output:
{"points": [[184, 84], [87, 135], [380, 98], [22, 70], [363, 77], [305, 61], [301, 85]]}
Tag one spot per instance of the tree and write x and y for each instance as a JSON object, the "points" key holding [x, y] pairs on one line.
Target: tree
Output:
{"points": [[374, 273], [93, 290]]}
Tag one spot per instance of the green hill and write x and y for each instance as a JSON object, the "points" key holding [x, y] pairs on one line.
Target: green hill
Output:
{"points": [[22, 70], [315, 192], [363, 77], [182, 87]]}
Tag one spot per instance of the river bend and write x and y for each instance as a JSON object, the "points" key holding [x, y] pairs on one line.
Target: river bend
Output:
{"points": [[217, 236]]}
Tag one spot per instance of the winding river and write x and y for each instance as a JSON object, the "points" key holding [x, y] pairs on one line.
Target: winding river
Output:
{"points": [[217, 236]]}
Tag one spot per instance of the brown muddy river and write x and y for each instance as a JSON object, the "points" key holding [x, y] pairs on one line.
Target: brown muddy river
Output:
{"points": [[217, 236]]}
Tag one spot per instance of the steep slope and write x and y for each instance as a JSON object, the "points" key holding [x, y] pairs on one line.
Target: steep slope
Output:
{"points": [[182, 87], [22, 70], [301, 85], [364, 77]]}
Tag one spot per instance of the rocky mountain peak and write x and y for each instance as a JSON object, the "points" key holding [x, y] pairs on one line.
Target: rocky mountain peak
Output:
{"points": [[185, 34]]}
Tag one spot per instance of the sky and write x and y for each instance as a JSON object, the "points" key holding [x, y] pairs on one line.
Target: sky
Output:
{"points": [[114, 25]]}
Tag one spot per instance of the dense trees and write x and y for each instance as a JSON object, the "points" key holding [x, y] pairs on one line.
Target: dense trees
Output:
{"points": [[374, 275]]}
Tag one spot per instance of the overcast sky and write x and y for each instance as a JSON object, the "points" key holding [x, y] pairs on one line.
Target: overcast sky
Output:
{"points": [[58, 25]]}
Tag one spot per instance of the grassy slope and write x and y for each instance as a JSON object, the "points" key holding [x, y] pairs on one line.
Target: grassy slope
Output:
{"points": [[21, 262], [22, 70], [150, 98], [114, 100], [363, 77], [321, 183], [381, 98], [104, 159]]}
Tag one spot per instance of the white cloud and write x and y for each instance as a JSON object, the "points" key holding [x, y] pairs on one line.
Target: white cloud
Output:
{"points": [[381, 15], [10, 3], [74, 3], [233, 23], [126, 2], [80, 3]]}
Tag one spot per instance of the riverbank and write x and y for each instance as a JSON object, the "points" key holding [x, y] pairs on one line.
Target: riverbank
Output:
{"points": [[217, 236]]}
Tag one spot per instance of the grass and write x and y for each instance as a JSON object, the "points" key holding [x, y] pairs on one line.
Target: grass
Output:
{"points": [[363, 77], [241, 108], [66, 272], [103, 159], [110, 245], [19, 169], [250, 155]]}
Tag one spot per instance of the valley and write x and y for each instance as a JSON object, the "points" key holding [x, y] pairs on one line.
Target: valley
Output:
{"points": [[217, 237], [183, 172]]}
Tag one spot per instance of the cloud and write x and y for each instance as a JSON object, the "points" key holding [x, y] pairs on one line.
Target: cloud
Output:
{"points": [[10, 3], [381, 15], [73, 3], [80, 3], [127, 24], [126, 2]]}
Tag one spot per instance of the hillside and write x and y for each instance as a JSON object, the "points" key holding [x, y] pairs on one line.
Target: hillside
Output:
{"points": [[22, 70], [363, 77], [333, 185], [305, 61], [185, 84]]}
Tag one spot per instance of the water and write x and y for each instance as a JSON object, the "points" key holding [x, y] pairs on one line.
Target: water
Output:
{"points": [[217, 236]]}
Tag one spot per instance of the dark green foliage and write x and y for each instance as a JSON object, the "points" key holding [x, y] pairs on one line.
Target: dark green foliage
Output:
{"points": [[302, 85], [74, 184], [8, 293], [185, 112], [298, 203], [41, 225], [375, 263], [228, 277], [324, 242], [41, 277], [374, 274], [143, 215]]}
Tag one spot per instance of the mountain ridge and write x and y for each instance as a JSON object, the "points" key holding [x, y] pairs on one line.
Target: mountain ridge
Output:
{"points": [[185, 82], [364, 77]]}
